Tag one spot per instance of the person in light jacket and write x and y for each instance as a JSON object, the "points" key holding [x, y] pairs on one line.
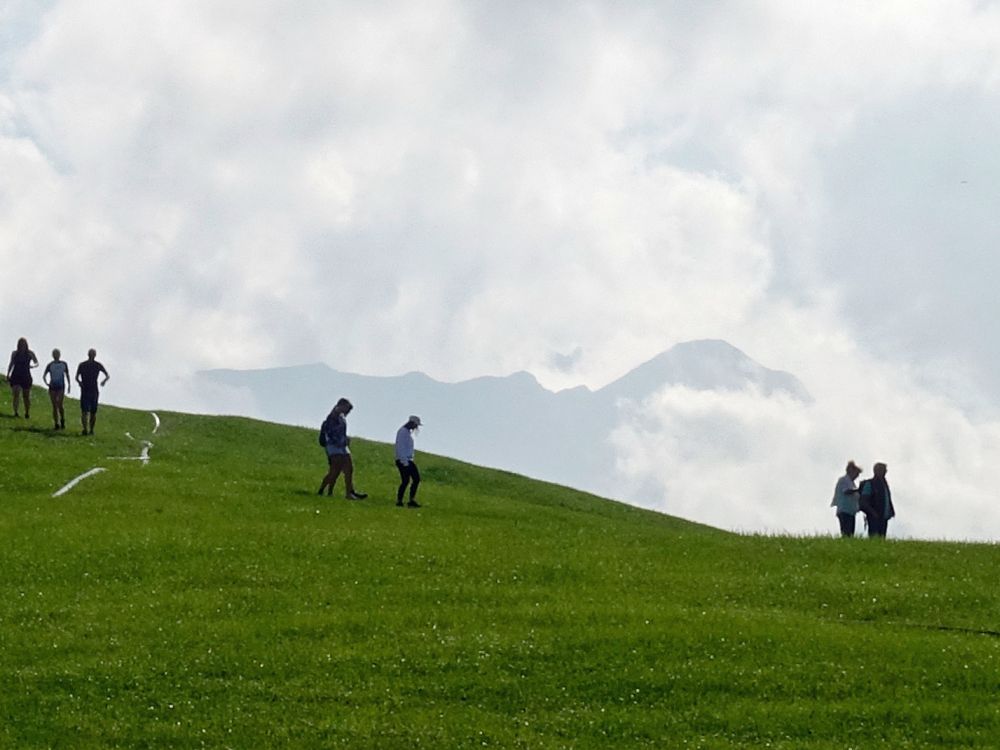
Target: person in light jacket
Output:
{"points": [[409, 474], [845, 499]]}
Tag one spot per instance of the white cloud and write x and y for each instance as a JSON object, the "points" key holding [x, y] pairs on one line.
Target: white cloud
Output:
{"points": [[745, 461], [464, 188]]}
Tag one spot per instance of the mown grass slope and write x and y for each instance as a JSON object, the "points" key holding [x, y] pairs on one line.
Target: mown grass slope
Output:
{"points": [[210, 599]]}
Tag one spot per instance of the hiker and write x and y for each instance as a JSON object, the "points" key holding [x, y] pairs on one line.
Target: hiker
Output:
{"points": [[22, 359], [86, 376], [56, 377], [333, 436], [409, 474], [876, 502], [845, 499]]}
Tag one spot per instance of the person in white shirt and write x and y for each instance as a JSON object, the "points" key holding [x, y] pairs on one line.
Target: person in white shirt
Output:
{"points": [[409, 474], [56, 375], [845, 499]]}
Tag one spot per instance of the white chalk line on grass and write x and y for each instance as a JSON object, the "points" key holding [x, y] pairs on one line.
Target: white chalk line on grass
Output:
{"points": [[74, 482], [143, 456]]}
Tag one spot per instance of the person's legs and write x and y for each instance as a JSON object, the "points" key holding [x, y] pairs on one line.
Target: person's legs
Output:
{"points": [[54, 398], [27, 402], [414, 482], [404, 479], [876, 527], [336, 466], [62, 410], [846, 524], [88, 405], [349, 475], [16, 397]]}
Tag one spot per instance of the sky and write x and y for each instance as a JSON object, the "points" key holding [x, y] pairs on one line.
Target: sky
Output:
{"points": [[567, 188]]}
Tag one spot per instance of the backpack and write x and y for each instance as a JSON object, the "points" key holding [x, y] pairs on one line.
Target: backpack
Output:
{"points": [[322, 434], [864, 497]]}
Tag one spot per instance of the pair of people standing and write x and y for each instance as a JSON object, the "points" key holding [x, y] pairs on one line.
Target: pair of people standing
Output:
{"points": [[873, 498], [56, 377], [333, 437]]}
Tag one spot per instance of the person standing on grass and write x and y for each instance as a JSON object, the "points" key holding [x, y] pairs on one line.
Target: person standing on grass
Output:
{"points": [[876, 502], [56, 376], [87, 374], [845, 499], [338, 451], [22, 359], [409, 474]]}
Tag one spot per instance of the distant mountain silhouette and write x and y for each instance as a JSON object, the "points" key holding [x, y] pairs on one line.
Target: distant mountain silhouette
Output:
{"points": [[507, 422]]}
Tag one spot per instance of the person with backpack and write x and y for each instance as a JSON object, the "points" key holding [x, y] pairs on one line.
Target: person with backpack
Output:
{"points": [[409, 474], [876, 502], [845, 499], [333, 437], [22, 359], [56, 376]]}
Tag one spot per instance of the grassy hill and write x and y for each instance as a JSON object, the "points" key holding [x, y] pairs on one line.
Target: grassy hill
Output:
{"points": [[210, 599]]}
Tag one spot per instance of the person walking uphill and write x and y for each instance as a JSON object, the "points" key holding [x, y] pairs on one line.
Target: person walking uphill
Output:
{"points": [[876, 501], [409, 474], [22, 360], [845, 499], [87, 374], [333, 437]]}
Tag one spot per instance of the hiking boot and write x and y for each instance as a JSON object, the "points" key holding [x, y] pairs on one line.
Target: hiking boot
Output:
{"points": [[356, 495]]}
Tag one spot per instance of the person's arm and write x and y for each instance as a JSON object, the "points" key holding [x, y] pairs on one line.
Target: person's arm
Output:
{"points": [[34, 359], [66, 377], [106, 376], [46, 376]]}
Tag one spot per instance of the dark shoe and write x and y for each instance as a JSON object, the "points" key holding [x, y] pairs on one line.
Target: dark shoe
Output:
{"points": [[399, 503], [84, 432], [356, 495], [413, 504]]}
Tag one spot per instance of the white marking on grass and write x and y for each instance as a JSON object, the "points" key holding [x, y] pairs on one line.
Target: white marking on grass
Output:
{"points": [[74, 482]]}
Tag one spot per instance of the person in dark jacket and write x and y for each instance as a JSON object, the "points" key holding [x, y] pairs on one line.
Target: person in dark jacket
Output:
{"points": [[338, 451], [876, 502]]}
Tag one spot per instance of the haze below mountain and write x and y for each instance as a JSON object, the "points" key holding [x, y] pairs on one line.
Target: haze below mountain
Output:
{"points": [[509, 422]]}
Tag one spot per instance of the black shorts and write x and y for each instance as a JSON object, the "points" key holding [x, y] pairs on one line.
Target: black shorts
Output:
{"points": [[88, 402], [20, 381]]}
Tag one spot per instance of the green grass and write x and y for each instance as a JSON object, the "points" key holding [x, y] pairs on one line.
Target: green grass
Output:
{"points": [[210, 599]]}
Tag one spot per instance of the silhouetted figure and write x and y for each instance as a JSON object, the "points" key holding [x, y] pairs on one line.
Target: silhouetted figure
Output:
{"points": [[87, 375], [409, 474], [338, 451], [845, 499], [22, 359], [876, 501], [56, 376]]}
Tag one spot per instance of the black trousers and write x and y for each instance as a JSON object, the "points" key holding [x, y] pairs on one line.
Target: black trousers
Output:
{"points": [[846, 524], [408, 475], [877, 527]]}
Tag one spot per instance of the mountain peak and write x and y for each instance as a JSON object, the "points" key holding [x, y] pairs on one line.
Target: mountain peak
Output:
{"points": [[704, 365]]}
